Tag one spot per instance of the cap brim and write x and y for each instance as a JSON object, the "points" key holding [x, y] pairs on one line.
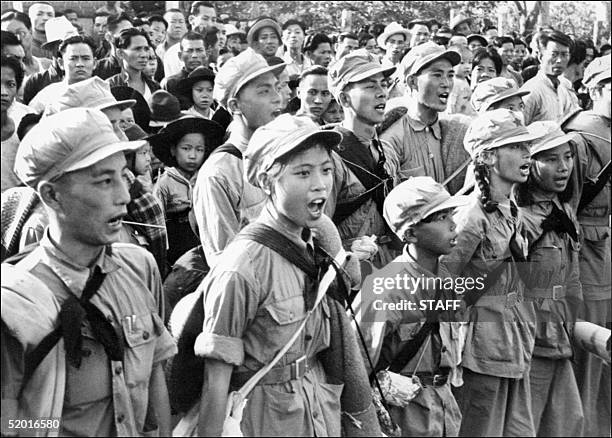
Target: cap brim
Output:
{"points": [[521, 138], [268, 22], [551, 144], [593, 81], [327, 138], [184, 86], [49, 44], [105, 152], [503, 96], [452, 202], [121, 104], [480, 38], [386, 71], [275, 69], [453, 57]]}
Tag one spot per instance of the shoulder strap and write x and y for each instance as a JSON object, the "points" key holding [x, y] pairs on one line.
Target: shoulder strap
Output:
{"points": [[230, 149], [280, 244], [592, 188]]}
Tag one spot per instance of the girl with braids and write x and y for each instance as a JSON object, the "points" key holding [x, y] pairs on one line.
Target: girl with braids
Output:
{"points": [[548, 203], [495, 397]]}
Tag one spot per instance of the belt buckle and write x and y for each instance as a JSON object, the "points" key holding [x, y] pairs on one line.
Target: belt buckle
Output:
{"points": [[298, 368], [511, 299], [557, 290], [437, 379]]}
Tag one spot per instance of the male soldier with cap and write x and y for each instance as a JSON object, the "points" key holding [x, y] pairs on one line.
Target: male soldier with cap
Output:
{"points": [[102, 374], [426, 144], [592, 155], [364, 171], [224, 202]]}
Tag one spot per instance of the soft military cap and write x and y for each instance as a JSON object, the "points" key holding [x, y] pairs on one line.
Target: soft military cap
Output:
{"points": [[238, 71], [414, 199], [260, 24], [354, 67], [497, 128], [424, 54], [71, 140], [492, 91], [90, 93], [552, 136], [598, 70], [280, 137]]}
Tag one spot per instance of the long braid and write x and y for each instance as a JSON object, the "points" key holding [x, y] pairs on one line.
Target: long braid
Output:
{"points": [[481, 173]]}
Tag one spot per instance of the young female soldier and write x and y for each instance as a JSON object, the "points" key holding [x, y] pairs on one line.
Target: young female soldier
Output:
{"points": [[495, 398], [552, 283]]}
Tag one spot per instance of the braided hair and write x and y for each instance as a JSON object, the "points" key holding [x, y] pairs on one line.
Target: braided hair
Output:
{"points": [[481, 173]]}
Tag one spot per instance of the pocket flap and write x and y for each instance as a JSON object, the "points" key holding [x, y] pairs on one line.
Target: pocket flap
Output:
{"points": [[287, 311], [138, 329]]}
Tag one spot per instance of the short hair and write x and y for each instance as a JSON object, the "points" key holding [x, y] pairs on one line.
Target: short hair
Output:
{"points": [[211, 37], [77, 39], [70, 11], [195, 7], [315, 70], [40, 3], [114, 20], [9, 39], [501, 40], [27, 121], [557, 37], [101, 14], [15, 65], [349, 35], [19, 16], [124, 39], [578, 53], [364, 38], [191, 36], [293, 21], [174, 10], [157, 19], [520, 42], [137, 22], [312, 42], [487, 53]]}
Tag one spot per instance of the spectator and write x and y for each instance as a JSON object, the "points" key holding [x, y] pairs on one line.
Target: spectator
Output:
{"points": [[314, 94], [192, 54], [393, 40], [133, 49], [157, 29], [77, 60], [197, 89], [110, 64], [591, 52], [505, 50], [549, 98], [264, 37], [40, 13], [520, 53], [476, 41], [459, 98], [318, 49], [152, 65], [73, 17], [420, 32], [490, 33], [443, 36], [347, 42], [111, 8], [11, 113], [334, 113], [460, 25], [98, 32], [20, 25], [486, 64], [202, 16], [458, 40], [234, 39], [177, 27], [294, 32], [498, 93], [368, 41], [283, 81]]}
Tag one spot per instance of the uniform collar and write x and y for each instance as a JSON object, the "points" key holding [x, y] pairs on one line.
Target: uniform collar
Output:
{"points": [[270, 218], [417, 125], [73, 275]]}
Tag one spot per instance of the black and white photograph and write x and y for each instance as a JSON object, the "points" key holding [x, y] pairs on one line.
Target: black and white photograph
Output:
{"points": [[306, 218]]}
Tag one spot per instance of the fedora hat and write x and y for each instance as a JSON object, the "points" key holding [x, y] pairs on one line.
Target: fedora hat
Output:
{"points": [[165, 108], [58, 29], [392, 29], [170, 134]]}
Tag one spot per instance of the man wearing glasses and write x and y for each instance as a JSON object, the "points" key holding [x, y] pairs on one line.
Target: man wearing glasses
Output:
{"points": [[551, 96]]}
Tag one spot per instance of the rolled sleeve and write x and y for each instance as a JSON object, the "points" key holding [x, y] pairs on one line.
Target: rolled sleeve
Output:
{"points": [[224, 348]]}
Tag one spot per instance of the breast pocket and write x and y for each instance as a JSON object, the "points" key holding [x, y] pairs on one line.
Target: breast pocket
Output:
{"points": [[140, 333], [281, 319], [545, 264]]}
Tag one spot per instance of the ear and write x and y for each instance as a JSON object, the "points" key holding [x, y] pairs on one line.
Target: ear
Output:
{"points": [[344, 99], [411, 82], [49, 195], [191, 20], [265, 182], [233, 106], [409, 236]]}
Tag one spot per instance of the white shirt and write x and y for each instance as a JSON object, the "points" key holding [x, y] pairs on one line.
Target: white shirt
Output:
{"points": [[172, 62]]}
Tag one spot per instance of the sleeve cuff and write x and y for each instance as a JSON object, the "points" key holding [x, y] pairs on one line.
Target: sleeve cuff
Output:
{"points": [[226, 349]]}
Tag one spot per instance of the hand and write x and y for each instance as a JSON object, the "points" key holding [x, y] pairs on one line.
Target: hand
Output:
{"points": [[364, 247]]}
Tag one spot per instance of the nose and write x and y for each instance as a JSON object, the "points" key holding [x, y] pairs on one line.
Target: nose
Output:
{"points": [[318, 98], [318, 181], [564, 166], [123, 193]]}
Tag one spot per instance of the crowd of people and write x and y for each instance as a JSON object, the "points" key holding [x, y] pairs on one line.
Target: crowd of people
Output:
{"points": [[197, 220]]}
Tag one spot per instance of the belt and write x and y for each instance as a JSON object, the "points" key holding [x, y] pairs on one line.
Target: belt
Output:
{"points": [[511, 299], [293, 371], [556, 292], [435, 380]]}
